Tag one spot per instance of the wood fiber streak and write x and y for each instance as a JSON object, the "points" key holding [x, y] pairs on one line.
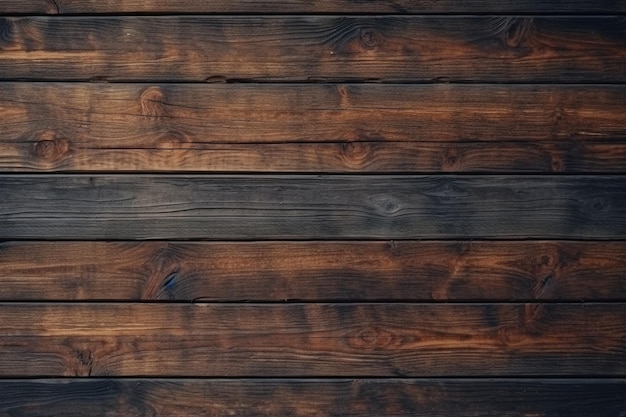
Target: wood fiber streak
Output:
{"points": [[306, 398], [313, 271], [311, 128], [308, 6], [314, 48], [311, 207], [312, 339]]}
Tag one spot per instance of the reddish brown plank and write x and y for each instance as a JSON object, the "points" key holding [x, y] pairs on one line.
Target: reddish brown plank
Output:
{"points": [[50, 153], [345, 128], [313, 271], [304, 397], [312, 339], [308, 6], [310, 48]]}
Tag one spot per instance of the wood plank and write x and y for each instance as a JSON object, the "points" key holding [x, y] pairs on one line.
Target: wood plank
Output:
{"points": [[304, 207], [305, 398], [313, 271], [312, 128], [309, 48], [49, 153], [308, 6], [41, 339]]}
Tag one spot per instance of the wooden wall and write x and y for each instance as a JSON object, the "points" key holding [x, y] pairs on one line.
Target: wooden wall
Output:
{"points": [[312, 208]]}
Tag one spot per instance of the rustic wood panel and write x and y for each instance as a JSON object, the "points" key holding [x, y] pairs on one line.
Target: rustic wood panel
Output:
{"points": [[311, 207], [312, 339], [393, 48], [308, 6], [184, 127], [305, 398], [103, 115], [50, 152], [313, 271]]}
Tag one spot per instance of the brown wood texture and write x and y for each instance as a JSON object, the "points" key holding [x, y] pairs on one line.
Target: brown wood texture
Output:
{"points": [[311, 128], [308, 6], [304, 207], [306, 398], [310, 48], [313, 271], [376, 340]]}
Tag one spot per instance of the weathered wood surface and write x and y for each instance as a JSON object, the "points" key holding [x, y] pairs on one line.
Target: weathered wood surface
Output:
{"points": [[308, 6], [53, 153], [309, 48], [312, 128], [311, 207], [412, 340], [313, 271], [319, 397]]}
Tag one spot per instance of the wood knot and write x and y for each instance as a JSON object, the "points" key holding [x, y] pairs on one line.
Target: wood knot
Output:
{"points": [[370, 38], [163, 272], [172, 139], [6, 31], [517, 30], [451, 160], [344, 99], [50, 145], [83, 363], [356, 153], [386, 205], [371, 337], [153, 102]]}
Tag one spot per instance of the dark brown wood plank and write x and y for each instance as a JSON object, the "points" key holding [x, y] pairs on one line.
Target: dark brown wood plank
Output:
{"points": [[306, 207], [313, 271], [271, 48], [312, 128], [312, 339], [308, 6], [304, 398]]}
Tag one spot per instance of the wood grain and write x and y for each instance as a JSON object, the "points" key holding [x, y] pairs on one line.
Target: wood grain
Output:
{"points": [[313, 271], [314, 48], [50, 153], [306, 398], [312, 339], [307, 6], [306, 207], [311, 128]]}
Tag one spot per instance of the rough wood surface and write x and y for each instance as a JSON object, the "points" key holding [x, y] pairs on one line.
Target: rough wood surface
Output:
{"points": [[319, 397], [309, 48], [48, 152], [305, 207], [311, 128], [412, 340], [308, 6], [313, 271]]}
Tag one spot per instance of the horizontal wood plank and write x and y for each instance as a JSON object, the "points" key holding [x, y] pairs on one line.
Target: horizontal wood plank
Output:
{"points": [[313, 48], [49, 153], [306, 207], [312, 339], [312, 128], [305, 398], [308, 6], [313, 271]]}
